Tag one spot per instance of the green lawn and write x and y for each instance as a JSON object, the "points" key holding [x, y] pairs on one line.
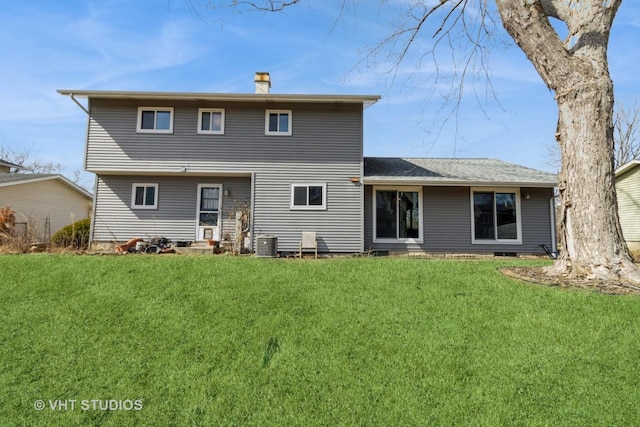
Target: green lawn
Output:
{"points": [[354, 341]]}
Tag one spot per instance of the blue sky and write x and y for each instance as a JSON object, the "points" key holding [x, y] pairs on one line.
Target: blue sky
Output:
{"points": [[164, 45]]}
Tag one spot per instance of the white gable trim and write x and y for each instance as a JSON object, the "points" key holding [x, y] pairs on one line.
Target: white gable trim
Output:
{"points": [[627, 166], [60, 178]]}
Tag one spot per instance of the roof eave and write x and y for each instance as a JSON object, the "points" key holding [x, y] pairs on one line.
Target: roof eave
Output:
{"points": [[626, 167], [366, 100], [177, 171], [10, 165], [454, 183], [61, 178]]}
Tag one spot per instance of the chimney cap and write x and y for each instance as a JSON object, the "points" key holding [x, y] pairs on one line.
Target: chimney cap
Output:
{"points": [[263, 82], [262, 76]]}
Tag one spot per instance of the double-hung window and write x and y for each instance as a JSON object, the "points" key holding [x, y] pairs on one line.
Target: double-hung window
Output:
{"points": [[144, 196], [211, 121], [398, 214], [308, 196], [277, 122], [155, 120], [495, 216]]}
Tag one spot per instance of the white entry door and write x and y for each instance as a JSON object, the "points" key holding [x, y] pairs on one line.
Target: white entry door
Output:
{"points": [[208, 220]]}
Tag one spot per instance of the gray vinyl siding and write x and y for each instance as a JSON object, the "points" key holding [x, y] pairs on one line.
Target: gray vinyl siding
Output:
{"points": [[322, 134], [175, 217], [447, 223], [338, 228], [325, 147], [628, 190], [537, 222]]}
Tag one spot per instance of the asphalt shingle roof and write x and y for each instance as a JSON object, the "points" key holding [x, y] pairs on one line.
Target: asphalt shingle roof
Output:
{"points": [[8, 179], [17, 177], [11, 165], [453, 171]]}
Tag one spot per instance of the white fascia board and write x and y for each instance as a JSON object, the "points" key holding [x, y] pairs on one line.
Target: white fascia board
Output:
{"points": [[178, 171], [367, 100], [445, 183], [627, 166]]}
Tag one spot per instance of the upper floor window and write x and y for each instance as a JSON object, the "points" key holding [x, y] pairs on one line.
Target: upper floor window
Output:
{"points": [[278, 122], [496, 216], [211, 120], [153, 119], [144, 196], [308, 196]]}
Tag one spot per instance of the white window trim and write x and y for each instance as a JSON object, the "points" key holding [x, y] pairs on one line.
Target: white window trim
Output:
{"points": [[211, 110], [307, 207], [420, 238], [156, 110], [145, 185], [515, 190], [266, 122]]}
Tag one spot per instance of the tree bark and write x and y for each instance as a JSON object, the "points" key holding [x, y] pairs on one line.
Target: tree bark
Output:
{"points": [[589, 235]]}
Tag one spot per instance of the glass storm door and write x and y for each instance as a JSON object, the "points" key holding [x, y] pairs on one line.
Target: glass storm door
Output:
{"points": [[209, 211]]}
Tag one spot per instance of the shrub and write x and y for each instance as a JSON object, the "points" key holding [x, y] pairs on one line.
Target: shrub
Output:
{"points": [[16, 237], [7, 220], [74, 235]]}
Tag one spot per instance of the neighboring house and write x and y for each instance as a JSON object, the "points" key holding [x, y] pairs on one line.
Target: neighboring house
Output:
{"points": [[43, 203], [5, 167], [628, 191], [179, 165]]}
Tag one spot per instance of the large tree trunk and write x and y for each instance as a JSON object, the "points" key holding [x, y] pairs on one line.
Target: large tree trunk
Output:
{"points": [[589, 233], [590, 238]]}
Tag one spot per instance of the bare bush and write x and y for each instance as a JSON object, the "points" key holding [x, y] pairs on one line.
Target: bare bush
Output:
{"points": [[22, 237]]}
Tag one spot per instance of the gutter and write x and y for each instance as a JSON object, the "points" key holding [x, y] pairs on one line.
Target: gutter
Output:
{"points": [[453, 183], [366, 100], [554, 224]]}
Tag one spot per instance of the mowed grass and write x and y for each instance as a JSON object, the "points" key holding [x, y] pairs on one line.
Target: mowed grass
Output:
{"points": [[353, 341]]}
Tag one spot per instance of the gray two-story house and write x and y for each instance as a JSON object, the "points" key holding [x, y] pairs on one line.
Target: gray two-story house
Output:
{"points": [[179, 165]]}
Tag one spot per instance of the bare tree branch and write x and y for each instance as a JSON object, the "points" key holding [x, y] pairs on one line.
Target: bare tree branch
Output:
{"points": [[626, 137], [626, 127], [30, 164], [264, 5]]}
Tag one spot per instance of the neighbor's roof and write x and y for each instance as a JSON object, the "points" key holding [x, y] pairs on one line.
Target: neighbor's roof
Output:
{"points": [[627, 166], [454, 172], [367, 100], [9, 164], [8, 179]]}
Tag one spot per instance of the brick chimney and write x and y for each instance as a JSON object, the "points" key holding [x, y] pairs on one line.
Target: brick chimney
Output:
{"points": [[263, 82]]}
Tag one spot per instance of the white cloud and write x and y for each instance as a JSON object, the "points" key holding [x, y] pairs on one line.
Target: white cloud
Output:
{"points": [[51, 51]]}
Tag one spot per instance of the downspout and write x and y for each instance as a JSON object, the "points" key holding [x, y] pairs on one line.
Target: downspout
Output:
{"points": [[554, 238], [95, 176], [361, 183], [73, 98], [252, 213], [95, 183], [93, 212]]}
